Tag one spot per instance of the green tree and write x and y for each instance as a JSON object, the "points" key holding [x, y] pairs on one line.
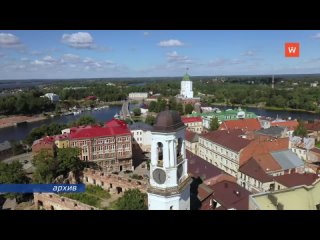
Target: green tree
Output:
{"points": [[301, 130], [180, 108], [13, 173], [188, 108], [152, 106], [137, 111], [150, 120], [68, 159], [214, 124], [132, 199], [84, 120], [46, 167], [17, 148]]}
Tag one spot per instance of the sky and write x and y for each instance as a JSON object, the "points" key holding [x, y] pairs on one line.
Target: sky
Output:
{"points": [[55, 54]]}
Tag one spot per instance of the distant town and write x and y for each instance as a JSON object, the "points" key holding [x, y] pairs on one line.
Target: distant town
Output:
{"points": [[186, 143]]}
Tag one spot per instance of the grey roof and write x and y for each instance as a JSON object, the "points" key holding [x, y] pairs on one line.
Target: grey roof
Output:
{"points": [[5, 146], [140, 126], [287, 159], [273, 131]]}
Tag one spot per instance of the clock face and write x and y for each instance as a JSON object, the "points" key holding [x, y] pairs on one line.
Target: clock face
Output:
{"points": [[180, 171], [159, 176]]}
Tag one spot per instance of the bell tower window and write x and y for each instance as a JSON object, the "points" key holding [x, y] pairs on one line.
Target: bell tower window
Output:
{"points": [[160, 154]]}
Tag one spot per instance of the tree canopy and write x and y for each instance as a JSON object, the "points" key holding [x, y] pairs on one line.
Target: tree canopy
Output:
{"points": [[48, 167], [301, 130], [214, 124], [132, 199]]}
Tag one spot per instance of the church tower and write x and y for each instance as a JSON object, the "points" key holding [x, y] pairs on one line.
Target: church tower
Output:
{"points": [[169, 180], [186, 87]]}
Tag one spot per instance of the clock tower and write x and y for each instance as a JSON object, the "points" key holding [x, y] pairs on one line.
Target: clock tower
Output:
{"points": [[169, 180]]}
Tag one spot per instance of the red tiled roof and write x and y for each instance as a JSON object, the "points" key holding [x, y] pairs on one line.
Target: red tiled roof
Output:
{"points": [[252, 169], [291, 125], [231, 195], [91, 98], [220, 178], [260, 149], [315, 150], [315, 126], [111, 128], [296, 179], [204, 192], [44, 140], [247, 124], [191, 119], [198, 167], [229, 139], [190, 136]]}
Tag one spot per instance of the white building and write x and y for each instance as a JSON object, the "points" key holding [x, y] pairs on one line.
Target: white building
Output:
{"points": [[315, 84], [169, 180], [141, 133], [138, 95], [53, 97], [186, 87]]}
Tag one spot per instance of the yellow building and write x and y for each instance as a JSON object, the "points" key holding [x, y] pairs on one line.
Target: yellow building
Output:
{"points": [[295, 198], [62, 141]]}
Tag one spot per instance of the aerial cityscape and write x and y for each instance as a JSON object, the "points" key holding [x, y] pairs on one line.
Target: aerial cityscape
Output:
{"points": [[159, 120]]}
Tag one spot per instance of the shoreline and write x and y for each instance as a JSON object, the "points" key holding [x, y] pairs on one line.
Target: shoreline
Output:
{"points": [[13, 121]]}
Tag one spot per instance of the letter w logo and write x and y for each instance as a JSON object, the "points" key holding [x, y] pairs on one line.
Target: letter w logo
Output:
{"points": [[292, 49]]}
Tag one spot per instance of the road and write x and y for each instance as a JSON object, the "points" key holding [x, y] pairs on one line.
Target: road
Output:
{"points": [[25, 159]]}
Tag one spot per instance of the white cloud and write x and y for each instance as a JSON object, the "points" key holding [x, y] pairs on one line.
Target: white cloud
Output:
{"points": [[70, 58], [88, 60], [39, 62], [248, 53], [316, 36], [172, 54], [8, 40], [175, 57], [78, 40], [24, 59], [146, 34], [49, 59], [171, 43]]}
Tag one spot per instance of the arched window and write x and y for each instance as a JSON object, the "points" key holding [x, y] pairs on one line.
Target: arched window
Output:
{"points": [[179, 146], [160, 151]]}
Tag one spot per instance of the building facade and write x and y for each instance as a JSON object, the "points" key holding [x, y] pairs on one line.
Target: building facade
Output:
{"points": [[294, 198], [186, 87], [223, 149], [194, 124], [169, 180], [138, 95], [53, 97], [141, 134], [109, 146]]}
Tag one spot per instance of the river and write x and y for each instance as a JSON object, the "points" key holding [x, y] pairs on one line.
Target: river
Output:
{"points": [[20, 133]]}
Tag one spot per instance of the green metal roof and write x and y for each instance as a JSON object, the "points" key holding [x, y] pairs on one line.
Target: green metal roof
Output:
{"points": [[231, 114], [186, 77]]}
